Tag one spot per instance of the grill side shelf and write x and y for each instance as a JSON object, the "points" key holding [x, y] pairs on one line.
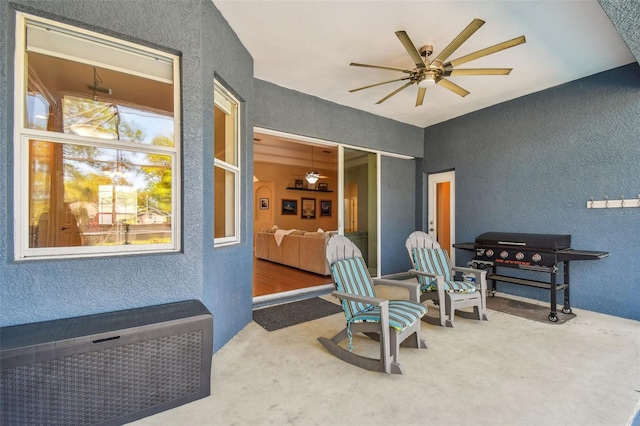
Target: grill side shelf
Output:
{"points": [[521, 281]]}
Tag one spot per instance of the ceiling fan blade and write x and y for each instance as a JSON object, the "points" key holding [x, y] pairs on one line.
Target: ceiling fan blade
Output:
{"points": [[447, 84], [411, 49], [420, 98], [457, 42], [478, 71], [394, 92], [355, 64], [379, 84], [486, 51]]}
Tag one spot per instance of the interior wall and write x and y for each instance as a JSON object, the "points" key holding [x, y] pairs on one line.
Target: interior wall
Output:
{"points": [[531, 164], [283, 178]]}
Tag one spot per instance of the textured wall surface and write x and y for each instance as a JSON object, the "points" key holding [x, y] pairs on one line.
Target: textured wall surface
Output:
{"points": [[531, 165], [289, 111], [398, 213], [625, 17], [43, 290]]}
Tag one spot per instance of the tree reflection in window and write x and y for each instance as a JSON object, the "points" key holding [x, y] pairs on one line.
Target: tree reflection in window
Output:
{"points": [[97, 143]]}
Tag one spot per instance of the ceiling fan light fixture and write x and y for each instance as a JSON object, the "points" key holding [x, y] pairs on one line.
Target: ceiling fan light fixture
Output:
{"points": [[428, 81], [312, 177]]}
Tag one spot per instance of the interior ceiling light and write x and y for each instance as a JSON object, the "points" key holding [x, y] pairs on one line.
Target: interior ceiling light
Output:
{"points": [[312, 176]]}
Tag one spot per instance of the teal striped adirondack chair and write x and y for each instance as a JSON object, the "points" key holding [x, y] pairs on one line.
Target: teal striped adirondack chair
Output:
{"points": [[393, 323], [436, 276]]}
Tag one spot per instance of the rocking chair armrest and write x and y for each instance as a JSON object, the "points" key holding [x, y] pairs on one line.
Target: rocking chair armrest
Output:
{"points": [[426, 274], [376, 301], [477, 272], [395, 283], [412, 287]]}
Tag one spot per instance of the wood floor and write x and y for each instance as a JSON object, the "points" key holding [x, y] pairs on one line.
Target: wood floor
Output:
{"points": [[269, 278]]}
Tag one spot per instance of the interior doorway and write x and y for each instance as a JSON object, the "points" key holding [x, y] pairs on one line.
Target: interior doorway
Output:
{"points": [[345, 200], [285, 201], [441, 209]]}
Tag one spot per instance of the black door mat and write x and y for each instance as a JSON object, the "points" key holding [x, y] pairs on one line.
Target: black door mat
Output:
{"points": [[530, 311], [280, 316]]}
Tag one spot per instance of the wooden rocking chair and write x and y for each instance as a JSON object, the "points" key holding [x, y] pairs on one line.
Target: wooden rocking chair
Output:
{"points": [[436, 276], [393, 323]]}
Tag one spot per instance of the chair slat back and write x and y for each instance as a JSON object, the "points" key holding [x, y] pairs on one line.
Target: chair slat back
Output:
{"points": [[350, 273], [419, 239], [340, 247], [433, 261]]}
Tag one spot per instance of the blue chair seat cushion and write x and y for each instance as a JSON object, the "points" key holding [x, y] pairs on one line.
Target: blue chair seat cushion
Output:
{"points": [[459, 287], [402, 314]]}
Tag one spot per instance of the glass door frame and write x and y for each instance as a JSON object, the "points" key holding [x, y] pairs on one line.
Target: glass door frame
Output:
{"points": [[340, 207], [341, 199]]}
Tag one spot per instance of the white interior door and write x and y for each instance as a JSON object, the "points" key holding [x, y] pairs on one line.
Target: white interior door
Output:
{"points": [[441, 223]]}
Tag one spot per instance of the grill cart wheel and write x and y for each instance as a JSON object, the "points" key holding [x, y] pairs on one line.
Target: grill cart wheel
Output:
{"points": [[567, 311], [553, 318]]}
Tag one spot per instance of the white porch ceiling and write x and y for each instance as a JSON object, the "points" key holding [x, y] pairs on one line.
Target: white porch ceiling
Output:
{"points": [[307, 46]]}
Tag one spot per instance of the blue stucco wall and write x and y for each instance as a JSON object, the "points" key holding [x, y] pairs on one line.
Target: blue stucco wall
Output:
{"points": [[397, 210], [289, 111], [531, 165], [43, 290]]}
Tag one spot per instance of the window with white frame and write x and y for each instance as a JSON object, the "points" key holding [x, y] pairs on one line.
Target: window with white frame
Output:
{"points": [[226, 211], [97, 161]]}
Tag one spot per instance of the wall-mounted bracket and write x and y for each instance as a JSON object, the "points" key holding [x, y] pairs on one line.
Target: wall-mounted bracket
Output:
{"points": [[613, 204]]}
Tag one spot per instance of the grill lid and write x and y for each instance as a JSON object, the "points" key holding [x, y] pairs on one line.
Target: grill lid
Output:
{"points": [[539, 241]]}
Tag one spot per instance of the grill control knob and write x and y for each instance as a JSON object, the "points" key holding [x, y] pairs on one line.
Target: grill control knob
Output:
{"points": [[489, 253], [519, 255], [504, 254], [536, 257]]}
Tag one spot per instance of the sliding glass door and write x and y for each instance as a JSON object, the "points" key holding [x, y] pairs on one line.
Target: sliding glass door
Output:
{"points": [[360, 202]]}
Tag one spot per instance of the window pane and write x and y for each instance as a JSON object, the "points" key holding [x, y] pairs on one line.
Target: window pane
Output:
{"points": [[97, 102], [360, 203], [37, 111], [224, 203], [96, 196], [225, 134]]}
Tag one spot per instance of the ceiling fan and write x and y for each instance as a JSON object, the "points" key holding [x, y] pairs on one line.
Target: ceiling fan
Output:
{"points": [[429, 72], [312, 176]]}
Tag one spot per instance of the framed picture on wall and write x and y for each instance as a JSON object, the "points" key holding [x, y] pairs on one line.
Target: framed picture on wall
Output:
{"points": [[308, 210], [299, 183], [289, 206], [323, 187], [264, 204], [325, 207]]}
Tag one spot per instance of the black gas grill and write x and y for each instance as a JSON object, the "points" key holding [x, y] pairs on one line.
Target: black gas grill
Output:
{"points": [[533, 252]]}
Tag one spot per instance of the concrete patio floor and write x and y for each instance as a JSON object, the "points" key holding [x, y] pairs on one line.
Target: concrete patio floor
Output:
{"points": [[505, 371]]}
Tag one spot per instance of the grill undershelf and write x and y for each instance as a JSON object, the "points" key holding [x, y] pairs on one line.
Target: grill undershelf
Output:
{"points": [[522, 281]]}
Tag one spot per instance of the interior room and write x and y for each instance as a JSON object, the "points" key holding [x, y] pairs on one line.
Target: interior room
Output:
{"points": [[280, 189], [148, 155]]}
